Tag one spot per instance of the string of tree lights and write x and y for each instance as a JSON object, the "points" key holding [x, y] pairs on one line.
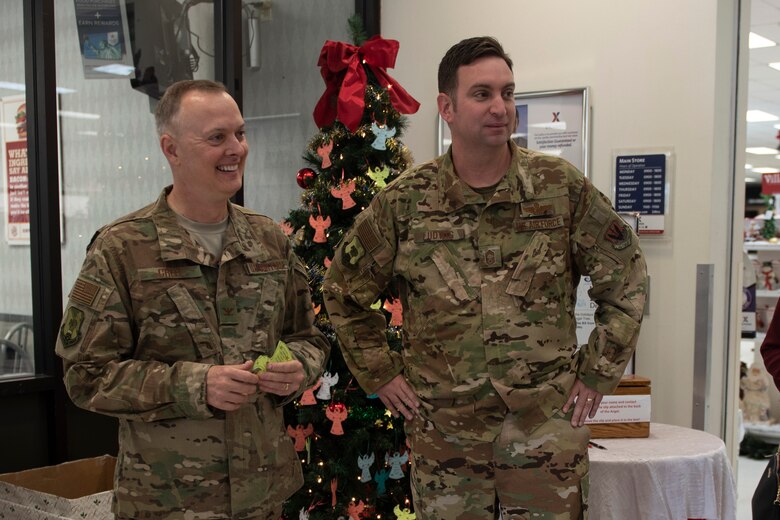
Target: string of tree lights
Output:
{"points": [[354, 453]]}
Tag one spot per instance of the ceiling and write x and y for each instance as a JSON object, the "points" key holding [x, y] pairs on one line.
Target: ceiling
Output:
{"points": [[764, 85]]}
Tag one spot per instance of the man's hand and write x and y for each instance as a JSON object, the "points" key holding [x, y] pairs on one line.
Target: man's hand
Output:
{"points": [[283, 378], [229, 386], [399, 398], [587, 403]]}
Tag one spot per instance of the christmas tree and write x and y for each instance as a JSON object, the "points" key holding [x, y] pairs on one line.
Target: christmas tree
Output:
{"points": [[354, 453]]}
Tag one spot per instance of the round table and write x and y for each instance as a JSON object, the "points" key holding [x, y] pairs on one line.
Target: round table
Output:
{"points": [[674, 474]]}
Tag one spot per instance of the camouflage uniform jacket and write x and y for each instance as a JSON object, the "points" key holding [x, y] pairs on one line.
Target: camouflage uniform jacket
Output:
{"points": [[150, 313], [488, 289]]}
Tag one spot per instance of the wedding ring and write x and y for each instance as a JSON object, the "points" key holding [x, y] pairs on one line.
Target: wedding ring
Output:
{"points": [[589, 399], [287, 386]]}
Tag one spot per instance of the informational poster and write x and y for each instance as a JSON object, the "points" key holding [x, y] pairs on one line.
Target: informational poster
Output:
{"points": [[642, 188], [554, 122], [15, 183], [103, 38]]}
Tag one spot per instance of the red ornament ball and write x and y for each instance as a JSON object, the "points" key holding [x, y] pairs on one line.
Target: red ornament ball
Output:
{"points": [[306, 177]]}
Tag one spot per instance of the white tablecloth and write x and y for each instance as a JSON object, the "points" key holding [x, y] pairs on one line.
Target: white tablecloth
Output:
{"points": [[675, 474]]}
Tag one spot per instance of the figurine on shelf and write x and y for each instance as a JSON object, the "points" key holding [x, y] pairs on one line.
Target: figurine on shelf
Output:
{"points": [[755, 403], [768, 279]]}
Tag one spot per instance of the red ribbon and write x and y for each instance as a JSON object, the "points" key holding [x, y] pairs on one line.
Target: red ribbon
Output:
{"points": [[345, 80]]}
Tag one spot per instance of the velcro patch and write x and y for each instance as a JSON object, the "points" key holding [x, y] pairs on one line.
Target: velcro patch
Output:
{"points": [[537, 209], [266, 267], [535, 224], [353, 251], [368, 236], [438, 235], [618, 235], [70, 331], [84, 292]]}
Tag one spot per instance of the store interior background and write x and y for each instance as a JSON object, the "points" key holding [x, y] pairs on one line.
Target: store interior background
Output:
{"points": [[671, 89]]}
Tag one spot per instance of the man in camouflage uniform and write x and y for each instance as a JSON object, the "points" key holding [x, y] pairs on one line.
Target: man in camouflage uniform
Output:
{"points": [[487, 244], [173, 304]]}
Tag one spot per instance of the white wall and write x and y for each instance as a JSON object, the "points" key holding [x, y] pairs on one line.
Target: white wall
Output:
{"points": [[660, 75]]}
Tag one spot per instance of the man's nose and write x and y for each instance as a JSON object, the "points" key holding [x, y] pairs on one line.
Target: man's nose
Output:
{"points": [[498, 105]]}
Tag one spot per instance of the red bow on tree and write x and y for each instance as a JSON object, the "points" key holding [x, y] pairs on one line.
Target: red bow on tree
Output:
{"points": [[341, 68]]}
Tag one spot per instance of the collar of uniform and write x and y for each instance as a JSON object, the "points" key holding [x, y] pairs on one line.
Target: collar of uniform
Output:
{"points": [[511, 188], [241, 238], [176, 244]]}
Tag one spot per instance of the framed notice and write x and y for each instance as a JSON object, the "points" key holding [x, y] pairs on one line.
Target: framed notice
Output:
{"points": [[641, 188], [551, 121]]}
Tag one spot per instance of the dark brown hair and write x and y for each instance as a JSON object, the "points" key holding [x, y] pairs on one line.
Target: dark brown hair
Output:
{"points": [[463, 53]]}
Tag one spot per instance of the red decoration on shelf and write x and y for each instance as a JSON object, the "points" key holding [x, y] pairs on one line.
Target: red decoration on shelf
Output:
{"points": [[341, 66], [306, 177]]}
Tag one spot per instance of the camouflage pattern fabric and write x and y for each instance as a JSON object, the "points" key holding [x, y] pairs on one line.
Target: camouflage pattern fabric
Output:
{"points": [[150, 313], [488, 289], [541, 475]]}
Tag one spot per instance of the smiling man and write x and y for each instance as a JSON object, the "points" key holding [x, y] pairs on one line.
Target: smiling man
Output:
{"points": [[172, 306], [487, 244]]}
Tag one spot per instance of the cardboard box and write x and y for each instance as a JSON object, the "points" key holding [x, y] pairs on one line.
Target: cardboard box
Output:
{"points": [[81, 489], [625, 413]]}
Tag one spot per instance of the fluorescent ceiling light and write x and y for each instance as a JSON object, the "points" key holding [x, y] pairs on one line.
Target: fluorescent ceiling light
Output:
{"points": [[78, 115], [775, 65], [756, 41], [761, 150], [758, 116], [766, 170], [116, 69], [748, 166], [21, 88]]}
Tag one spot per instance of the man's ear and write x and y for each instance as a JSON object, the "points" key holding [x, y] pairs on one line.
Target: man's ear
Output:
{"points": [[169, 148], [444, 103]]}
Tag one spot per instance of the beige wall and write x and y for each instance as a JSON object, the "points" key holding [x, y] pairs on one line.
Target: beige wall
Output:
{"points": [[661, 74]]}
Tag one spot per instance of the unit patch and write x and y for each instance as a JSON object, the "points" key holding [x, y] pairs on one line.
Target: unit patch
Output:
{"points": [[353, 251], [70, 332], [618, 235]]}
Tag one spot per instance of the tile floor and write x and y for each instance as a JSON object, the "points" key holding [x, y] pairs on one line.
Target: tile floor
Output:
{"points": [[747, 473]]}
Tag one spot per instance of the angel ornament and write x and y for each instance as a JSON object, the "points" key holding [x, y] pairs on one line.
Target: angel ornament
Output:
{"points": [[327, 381], [320, 225], [382, 133], [395, 464], [364, 463]]}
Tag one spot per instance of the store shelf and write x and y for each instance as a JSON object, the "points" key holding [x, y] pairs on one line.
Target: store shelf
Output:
{"points": [[761, 246], [764, 293]]}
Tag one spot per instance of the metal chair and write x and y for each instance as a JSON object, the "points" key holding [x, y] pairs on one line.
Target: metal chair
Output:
{"points": [[21, 335], [13, 359]]}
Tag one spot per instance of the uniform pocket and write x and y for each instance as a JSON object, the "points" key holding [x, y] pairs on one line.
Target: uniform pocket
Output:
{"points": [[204, 337]]}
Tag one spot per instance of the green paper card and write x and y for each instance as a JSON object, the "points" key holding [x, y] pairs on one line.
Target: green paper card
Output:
{"points": [[282, 353]]}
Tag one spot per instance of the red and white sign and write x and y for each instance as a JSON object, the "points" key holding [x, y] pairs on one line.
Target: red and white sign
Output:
{"points": [[15, 178], [770, 183]]}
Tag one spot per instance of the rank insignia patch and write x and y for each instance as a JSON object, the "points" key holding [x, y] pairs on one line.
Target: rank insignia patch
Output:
{"points": [[618, 235], [70, 332], [353, 251]]}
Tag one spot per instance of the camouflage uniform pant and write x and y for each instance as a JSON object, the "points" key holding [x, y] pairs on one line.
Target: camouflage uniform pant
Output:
{"points": [[538, 475]]}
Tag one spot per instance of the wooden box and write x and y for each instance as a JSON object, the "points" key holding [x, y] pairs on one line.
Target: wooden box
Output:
{"points": [[625, 413]]}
